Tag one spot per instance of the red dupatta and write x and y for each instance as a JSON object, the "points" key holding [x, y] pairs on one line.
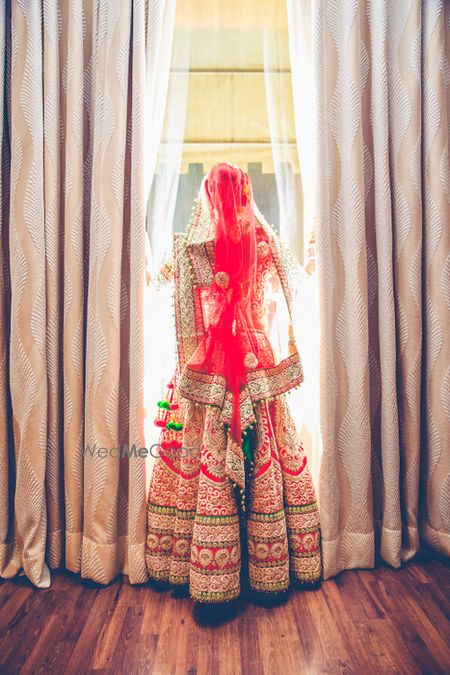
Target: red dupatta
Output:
{"points": [[227, 305]]}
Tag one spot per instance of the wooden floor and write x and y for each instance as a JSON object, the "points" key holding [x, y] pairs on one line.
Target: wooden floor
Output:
{"points": [[364, 621]]}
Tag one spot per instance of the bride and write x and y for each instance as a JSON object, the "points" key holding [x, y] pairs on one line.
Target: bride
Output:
{"points": [[231, 502]]}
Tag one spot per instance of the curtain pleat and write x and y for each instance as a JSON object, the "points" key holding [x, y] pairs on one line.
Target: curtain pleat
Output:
{"points": [[30, 305], [76, 47], [9, 553], [381, 97], [435, 483], [73, 189]]}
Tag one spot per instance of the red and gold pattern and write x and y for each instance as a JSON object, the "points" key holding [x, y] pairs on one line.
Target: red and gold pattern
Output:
{"points": [[204, 490], [193, 509]]}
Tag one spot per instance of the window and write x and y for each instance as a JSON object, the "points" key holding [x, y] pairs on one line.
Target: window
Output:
{"points": [[229, 99]]}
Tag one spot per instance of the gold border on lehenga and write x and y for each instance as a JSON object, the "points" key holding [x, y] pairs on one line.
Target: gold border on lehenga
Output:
{"points": [[262, 384]]}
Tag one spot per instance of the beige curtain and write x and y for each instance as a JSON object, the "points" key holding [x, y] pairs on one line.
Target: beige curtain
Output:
{"points": [[72, 127], [380, 74]]}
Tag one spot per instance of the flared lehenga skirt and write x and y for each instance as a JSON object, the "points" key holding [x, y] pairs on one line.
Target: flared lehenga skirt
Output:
{"points": [[195, 516]]}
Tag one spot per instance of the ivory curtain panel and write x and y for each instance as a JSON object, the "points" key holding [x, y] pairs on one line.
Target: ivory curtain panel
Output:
{"points": [[73, 120], [381, 112]]}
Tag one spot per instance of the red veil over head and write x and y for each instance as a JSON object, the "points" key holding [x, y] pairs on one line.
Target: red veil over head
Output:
{"points": [[231, 324]]}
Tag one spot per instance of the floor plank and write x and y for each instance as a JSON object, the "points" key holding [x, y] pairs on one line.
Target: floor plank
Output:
{"points": [[361, 621]]}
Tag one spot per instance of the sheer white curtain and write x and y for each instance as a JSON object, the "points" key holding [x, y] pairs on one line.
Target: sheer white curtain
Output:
{"points": [[295, 200], [160, 339], [160, 37], [284, 151], [304, 100], [168, 151]]}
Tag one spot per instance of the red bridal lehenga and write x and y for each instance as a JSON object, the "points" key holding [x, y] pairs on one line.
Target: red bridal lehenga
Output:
{"points": [[231, 496]]}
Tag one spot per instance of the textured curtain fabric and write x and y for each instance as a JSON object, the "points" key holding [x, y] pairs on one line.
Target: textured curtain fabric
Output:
{"points": [[73, 191], [380, 73]]}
